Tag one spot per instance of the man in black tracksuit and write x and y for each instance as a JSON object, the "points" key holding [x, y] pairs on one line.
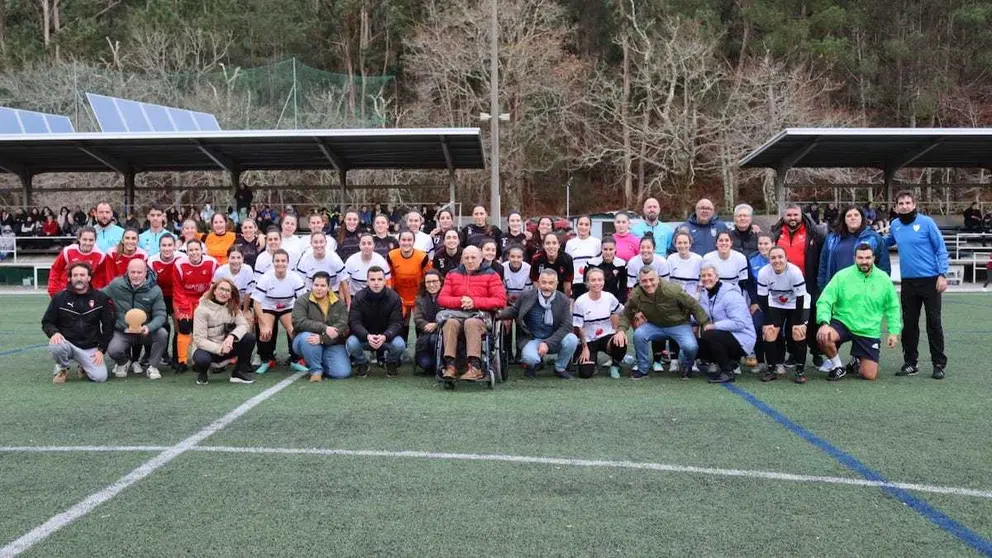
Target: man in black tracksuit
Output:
{"points": [[79, 323]]}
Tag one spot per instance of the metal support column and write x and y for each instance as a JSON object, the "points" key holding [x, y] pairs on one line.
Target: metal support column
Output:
{"points": [[128, 192], [343, 177], [27, 180], [452, 185], [780, 189]]}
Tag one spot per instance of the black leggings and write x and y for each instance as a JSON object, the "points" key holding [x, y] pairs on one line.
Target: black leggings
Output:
{"points": [[242, 350], [602, 345], [267, 349], [721, 348]]}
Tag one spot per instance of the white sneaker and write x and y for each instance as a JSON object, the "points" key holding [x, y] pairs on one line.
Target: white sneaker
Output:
{"points": [[256, 361], [136, 368], [673, 366], [827, 366], [658, 367], [780, 369], [695, 368], [120, 370], [985, 289], [153, 373]]}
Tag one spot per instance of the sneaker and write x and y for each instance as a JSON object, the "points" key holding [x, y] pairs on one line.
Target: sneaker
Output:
{"points": [[136, 368], [264, 367], [563, 374], [61, 375], [392, 369], [827, 367], [773, 373], [316, 378], [736, 371], [181, 368], [836, 374], [639, 376], [800, 376], [818, 360], [256, 361], [154, 374], [239, 377], [362, 370], [721, 378], [473, 374], [297, 367], [629, 360], [615, 372], [202, 378], [672, 366], [854, 366], [761, 368], [908, 370], [686, 374], [530, 373], [938, 373], [120, 370], [658, 367]]}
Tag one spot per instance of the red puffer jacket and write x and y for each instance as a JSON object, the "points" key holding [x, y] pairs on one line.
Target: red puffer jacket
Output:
{"points": [[483, 286]]}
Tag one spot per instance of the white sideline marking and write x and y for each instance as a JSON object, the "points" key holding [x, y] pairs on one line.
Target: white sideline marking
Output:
{"points": [[711, 471], [79, 510]]}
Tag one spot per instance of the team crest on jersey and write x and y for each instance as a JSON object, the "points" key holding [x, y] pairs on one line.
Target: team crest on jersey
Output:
{"points": [[712, 232], [783, 299], [916, 228], [91, 305]]}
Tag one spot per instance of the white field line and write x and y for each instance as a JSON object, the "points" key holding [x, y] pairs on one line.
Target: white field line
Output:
{"points": [[567, 462], [79, 510]]}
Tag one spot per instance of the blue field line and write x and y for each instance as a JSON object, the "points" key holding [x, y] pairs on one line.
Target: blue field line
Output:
{"points": [[22, 349], [935, 516]]}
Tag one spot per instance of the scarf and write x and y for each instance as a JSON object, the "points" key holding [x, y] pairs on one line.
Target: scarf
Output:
{"points": [[549, 318], [907, 218], [716, 289]]}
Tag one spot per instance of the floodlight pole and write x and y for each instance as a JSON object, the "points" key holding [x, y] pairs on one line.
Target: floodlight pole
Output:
{"points": [[495, 210]]}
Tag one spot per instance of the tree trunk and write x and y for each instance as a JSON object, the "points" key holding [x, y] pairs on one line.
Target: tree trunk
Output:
{"points": [[628, 154], [45, 20], [646, 122], [3, 27]]}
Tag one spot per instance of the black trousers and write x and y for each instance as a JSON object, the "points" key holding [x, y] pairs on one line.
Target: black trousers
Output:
{"points": [[605, 345], [242, 350], [721, 348], [919, 293], [774, 353]]}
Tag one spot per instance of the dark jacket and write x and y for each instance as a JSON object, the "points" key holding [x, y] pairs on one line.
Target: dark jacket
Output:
{"points": [[561, 309], [745, 242], [704, 236], [425, 312], [815, 236], [147, 297], [373, 314], [307, 316], [867, 236], [85, 320]]}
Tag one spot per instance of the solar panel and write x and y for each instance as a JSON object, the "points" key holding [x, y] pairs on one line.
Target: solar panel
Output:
{"points": [[123, 115], [17, 121]]}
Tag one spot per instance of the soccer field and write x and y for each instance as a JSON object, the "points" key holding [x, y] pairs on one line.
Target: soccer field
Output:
{"points": [[399, 467]]}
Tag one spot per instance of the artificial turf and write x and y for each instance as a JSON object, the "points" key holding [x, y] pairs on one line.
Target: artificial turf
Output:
{"points": [[909, 429]]}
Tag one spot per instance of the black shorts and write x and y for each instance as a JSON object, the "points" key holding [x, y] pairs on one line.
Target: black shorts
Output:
{"points": [[780, 317], [169, 309], [861, 347], [277, 313]]}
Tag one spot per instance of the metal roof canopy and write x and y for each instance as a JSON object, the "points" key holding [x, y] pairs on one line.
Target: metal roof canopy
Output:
{"points": [[235, 152], [887, 149]]}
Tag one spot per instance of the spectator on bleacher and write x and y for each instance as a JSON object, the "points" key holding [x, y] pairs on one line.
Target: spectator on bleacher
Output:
{"points": [[108, 234], [730, 335], [267, 217], [814, 213], [79, 323], [851, 308], [320, 322], [84, 250], [384, 242], [51, 226], [704, 224], [132, 222], [130, 291], [233, 218], [365, 216], [375, 321], [923, 264], [249, 242], [6, 219], [987, 224], [839, 247], [973, 218], [242, 199], [744, 233], [870, 213], [334, 219], [120, 256], [479, 229], [659, 310], [207, 213], [650, 224], [219, 239], [28, 227], [64, 218], [349, 235], [149, 239], [79, 217], [802, 241], [221, 333], [396, 216]]}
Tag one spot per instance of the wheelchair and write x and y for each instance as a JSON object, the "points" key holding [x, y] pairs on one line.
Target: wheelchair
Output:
{"points": [[495, 358]]}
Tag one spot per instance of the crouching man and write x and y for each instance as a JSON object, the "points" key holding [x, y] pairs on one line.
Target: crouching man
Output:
{"points": [[79, 323]]}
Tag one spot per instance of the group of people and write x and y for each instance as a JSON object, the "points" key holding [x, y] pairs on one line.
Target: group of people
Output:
{"points": [[706, 293]]}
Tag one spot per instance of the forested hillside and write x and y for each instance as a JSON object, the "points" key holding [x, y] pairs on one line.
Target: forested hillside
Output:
{"points": [[632, 96]]}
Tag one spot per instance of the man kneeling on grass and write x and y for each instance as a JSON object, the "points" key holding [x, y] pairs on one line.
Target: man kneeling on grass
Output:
{"points": [[544, 317], [851, 308], [79, 324], [135, 291], [376, 322], [321, 322], [221, 333]]}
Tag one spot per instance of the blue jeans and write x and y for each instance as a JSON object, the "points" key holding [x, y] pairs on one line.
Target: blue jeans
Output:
{"points": [[394, 350], [529, 356], [327, 360], [681, 334]]}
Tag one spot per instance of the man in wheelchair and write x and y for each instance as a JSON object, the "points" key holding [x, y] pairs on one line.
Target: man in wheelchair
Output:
{"points": [[544, 316], [469, 291]]}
